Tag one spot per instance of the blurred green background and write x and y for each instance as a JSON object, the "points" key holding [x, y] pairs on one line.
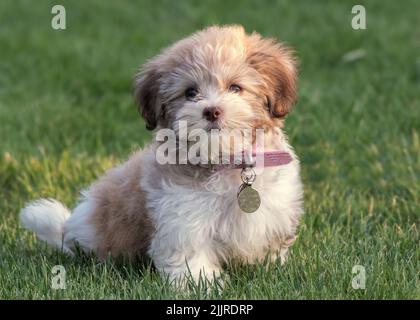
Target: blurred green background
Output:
{"points": [[67, 114]]}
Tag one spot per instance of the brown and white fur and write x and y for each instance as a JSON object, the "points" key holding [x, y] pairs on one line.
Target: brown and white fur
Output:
{"points": [[182, 216]]}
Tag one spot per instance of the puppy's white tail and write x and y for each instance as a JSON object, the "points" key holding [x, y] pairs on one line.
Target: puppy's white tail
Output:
{"points": [[46, 217]]}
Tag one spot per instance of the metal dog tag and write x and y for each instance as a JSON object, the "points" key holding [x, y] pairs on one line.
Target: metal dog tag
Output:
{"points": [[248, 198]]}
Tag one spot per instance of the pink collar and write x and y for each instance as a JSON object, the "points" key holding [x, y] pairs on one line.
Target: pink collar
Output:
{"points": [[264, 159]]}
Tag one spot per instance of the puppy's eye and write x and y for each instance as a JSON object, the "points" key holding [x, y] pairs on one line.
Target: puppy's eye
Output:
{"points": [[235, 88], [191, 93]]}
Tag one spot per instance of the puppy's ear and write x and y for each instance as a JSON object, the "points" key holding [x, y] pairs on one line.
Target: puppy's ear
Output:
{"points": [[146, 93], [277, 67]]}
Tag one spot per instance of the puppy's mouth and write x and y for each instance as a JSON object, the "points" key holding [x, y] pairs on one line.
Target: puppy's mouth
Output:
{"points": [[216, 125]]}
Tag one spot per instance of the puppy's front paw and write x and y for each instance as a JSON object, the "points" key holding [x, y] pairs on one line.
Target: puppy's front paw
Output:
{"points": [[189, 277]]}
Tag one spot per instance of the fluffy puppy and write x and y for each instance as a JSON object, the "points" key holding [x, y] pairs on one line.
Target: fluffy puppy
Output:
{"points": [[185, 217]]}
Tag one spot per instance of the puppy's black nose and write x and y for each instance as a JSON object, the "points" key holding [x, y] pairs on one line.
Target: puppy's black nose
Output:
{"points": [[212, 113]]}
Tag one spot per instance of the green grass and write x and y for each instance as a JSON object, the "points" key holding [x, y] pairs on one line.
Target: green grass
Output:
{"points": [[66, 115]]}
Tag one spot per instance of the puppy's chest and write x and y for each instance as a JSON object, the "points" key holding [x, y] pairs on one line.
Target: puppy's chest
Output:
{"points": [[214, 202]]}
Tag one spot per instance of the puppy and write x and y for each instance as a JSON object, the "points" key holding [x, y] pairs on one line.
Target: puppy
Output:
{"points": [[185, 217]]}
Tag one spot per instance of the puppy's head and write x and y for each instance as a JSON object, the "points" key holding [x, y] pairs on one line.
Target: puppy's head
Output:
{"points": [[218, 78]]}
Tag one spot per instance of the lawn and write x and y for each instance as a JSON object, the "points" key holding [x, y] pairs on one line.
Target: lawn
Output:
{"points": [[67, 114]]}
